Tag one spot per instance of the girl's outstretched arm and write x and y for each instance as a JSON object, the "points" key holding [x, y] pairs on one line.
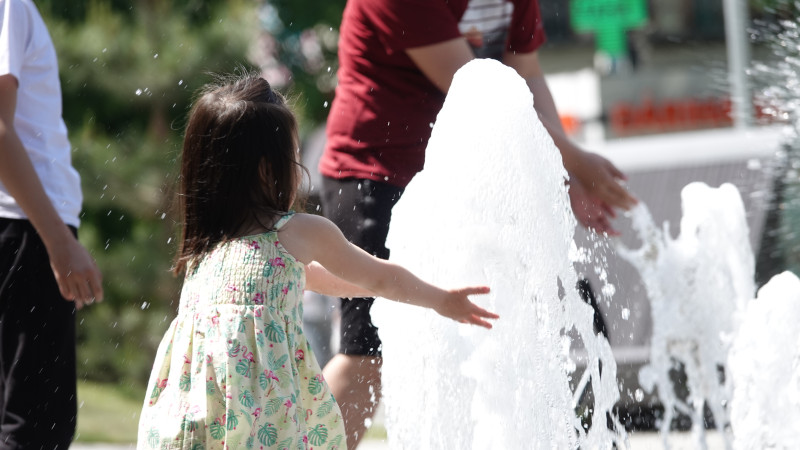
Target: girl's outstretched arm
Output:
{"points": [[313, 238], [320, 280]]}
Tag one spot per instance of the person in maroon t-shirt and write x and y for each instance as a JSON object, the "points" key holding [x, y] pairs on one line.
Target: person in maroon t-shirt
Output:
{"points": [[396, 61]]}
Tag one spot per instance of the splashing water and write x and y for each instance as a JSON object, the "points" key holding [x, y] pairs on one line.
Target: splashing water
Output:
{"points": [[696, 284], [491, 208], [765, 368]]}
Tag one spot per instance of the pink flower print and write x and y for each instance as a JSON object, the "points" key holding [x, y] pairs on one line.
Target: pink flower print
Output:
{"points": [[277, 262], [258, 299], [161, 383], [257, 412], [209, 359], [305, 439], [186, 359], [285, 290], [319, 377], [231, 288], [299, 355], [258, 312], [254, 245]]}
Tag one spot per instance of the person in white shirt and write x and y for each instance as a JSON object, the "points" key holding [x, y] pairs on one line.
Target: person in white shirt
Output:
{"points": [[45, 273]]}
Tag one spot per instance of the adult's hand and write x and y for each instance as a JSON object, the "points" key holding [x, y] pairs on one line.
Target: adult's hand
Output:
{"points": [[602, 180], [590, 211], [76, 273]]}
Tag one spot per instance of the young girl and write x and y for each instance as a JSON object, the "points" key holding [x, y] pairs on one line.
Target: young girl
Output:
{"points": [[234, 369]]}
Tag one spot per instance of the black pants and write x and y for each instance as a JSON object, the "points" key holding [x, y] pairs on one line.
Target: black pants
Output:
{"points": [[38, 406], [362, 209]]}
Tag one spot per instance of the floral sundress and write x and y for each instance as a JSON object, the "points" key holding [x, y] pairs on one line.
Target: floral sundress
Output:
{"points": [[234, 369]]}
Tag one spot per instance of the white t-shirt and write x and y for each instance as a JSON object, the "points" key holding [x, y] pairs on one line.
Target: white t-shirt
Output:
{"points": [[490, 19], [27, 53]]}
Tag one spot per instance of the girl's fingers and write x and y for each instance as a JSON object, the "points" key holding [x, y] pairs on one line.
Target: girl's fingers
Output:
{"points": [[475, 320], [473, 290], [484, 313]]}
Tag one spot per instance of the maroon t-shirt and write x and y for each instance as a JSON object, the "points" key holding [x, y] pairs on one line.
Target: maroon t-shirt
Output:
{"points": [[384, 108]]}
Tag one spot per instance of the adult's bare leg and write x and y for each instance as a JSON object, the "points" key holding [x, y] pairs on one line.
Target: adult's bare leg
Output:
{"points": [[355, 381]]}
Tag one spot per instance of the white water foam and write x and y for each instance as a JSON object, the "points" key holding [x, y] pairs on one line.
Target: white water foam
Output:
{"points": [[491, 208], [696, 284], [764, 364]]}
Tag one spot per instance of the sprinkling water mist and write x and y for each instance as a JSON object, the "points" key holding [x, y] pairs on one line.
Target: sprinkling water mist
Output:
{"points": [[696, 284], [491, 207], [764, 363]]}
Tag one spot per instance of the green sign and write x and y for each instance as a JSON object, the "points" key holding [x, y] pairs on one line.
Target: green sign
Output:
{"points": [[609, 20]]}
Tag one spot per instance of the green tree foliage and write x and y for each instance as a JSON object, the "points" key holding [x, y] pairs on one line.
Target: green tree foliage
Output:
{"points": [[128, 73]]}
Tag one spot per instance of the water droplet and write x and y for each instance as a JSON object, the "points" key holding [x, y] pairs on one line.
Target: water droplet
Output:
{"points": [[638, 395], [626, 313], [163, 215], [180, 82], [325, 105], [169, 240], [155, 56], [138, 92]]}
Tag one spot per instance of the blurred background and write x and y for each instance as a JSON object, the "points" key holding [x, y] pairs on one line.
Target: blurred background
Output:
{"points": [[658, 87]]}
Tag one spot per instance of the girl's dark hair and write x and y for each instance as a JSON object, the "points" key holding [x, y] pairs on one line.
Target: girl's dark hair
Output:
{"points": [[239, 164]]}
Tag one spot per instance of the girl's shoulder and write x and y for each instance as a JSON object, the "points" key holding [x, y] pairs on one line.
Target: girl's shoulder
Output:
{"points": [[303, 223], [304, 234]]}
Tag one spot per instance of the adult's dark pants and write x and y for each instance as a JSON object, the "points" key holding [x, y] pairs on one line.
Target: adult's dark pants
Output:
{"points": [[38, 405], [362, 209]]}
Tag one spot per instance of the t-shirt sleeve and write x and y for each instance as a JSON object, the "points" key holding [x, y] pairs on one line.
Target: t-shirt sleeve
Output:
{"points": [[14, 36], [403, 24], [526, 32]]}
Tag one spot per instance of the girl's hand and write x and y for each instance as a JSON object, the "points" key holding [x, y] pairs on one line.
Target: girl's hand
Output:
{"points": [[457, 306]]}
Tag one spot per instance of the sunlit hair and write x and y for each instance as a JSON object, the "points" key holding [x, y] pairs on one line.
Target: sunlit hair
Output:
{"points": [[239, 165]]}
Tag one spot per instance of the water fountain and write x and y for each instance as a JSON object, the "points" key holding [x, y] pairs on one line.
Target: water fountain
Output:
{"points": [[696, 284], [491, 207]]}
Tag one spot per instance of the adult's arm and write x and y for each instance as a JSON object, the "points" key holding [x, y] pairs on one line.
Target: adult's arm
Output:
{"points": [[75, 271], [597, 175], [596, 190], [440, 62]]}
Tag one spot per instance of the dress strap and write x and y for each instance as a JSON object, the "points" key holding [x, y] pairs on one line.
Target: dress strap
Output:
{"points": [[282, 221]]}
